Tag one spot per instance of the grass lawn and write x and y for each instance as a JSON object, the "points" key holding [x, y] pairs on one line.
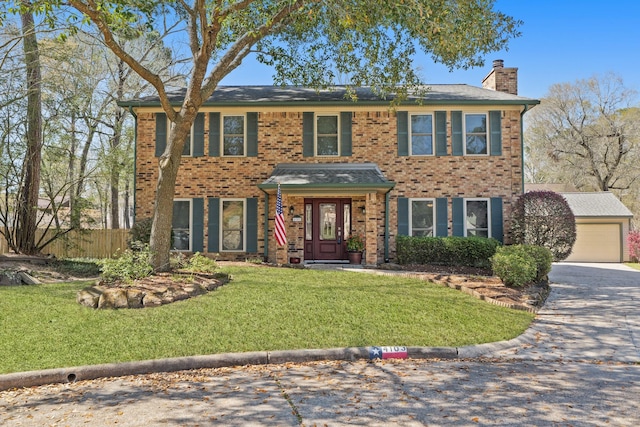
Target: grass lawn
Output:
{"points": [[261, 309], [635, 265]]}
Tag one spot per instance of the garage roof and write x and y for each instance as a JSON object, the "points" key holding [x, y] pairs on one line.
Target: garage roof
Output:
{"points": [[600, 204]]}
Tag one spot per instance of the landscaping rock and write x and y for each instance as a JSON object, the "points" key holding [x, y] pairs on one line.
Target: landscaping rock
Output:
{"points": [[10, 278], [89, 297], [134, 298], [113, 298], [159, 289], [151, 300]]}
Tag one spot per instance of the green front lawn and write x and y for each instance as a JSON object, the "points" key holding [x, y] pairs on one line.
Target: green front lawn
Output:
{"points": [[634, 265], [261, 309]]}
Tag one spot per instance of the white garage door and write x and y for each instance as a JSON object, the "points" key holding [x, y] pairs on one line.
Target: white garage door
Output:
{"points": [[597, 243]]}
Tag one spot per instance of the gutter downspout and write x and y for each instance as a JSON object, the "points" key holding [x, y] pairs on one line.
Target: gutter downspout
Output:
{"points": [[526, 108], [135, 158], [266, 225]]}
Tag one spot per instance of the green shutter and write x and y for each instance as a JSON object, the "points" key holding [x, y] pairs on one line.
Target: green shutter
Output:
{"points": [[497, 231], [213, 243], [457, 213], [441, 133], [345, 133], [252, 225], [495, 127], [307, 134], [186, 148], [214, 135], [161, 133], [442, 220], [252, 134], [198, 136], [197, 228], [456, 133], [403, 216], [403, 133]]}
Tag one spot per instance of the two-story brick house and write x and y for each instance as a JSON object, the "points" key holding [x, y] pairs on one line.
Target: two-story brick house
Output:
{"points": [[450, 165]]}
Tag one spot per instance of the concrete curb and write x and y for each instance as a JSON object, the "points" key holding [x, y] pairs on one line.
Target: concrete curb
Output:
{"points": [[91, 372]]}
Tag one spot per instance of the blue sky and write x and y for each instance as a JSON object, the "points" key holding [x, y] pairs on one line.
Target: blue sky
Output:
{"points": [[561, 41]]}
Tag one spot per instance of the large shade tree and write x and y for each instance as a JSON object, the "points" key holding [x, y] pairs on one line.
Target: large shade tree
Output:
{"points": [[308, 42], [587, 134]]}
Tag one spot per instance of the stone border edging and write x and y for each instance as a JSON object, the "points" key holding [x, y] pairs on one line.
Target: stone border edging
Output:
{"points": [[456, 286], [92, 372]]}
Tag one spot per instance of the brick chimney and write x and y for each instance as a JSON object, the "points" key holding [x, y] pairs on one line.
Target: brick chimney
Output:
{"points": [[502, 79]]}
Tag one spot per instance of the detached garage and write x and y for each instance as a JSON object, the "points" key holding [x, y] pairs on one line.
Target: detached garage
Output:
{"points": [[602, 226]]}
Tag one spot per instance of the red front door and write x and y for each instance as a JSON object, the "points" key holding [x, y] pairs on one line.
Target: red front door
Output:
{"points": [[327, 221]]}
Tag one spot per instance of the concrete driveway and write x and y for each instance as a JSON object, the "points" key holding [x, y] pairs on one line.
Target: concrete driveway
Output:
{"points": [[592, 314], [579, 364]]}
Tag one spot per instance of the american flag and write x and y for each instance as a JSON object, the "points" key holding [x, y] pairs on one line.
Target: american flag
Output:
{"points": [[280, 231]]}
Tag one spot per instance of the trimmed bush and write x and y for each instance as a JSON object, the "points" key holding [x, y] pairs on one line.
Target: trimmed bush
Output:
{"points": [[513, 266], [543, 259], [452, 250]]}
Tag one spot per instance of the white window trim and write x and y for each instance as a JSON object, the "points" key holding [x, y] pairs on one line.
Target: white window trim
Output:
{"points": [[477, 199], [315, 134], [433, 226], [433, 137], [244, 137], [190, 225], [464, 133], [191, 138], [244, 225]]}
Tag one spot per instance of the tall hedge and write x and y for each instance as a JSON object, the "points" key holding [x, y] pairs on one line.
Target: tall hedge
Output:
{"points": [[452, 250]]}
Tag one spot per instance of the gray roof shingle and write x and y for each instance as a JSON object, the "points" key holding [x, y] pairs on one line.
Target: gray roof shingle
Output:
{"points": [[330, 175], [600, 204], [278, 95]]}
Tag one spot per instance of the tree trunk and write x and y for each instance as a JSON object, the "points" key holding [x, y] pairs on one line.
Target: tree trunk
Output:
{"points": [[160, 242], [28, 199]]}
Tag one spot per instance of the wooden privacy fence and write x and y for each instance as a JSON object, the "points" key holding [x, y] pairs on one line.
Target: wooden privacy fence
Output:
{"points": [[98, 243]]}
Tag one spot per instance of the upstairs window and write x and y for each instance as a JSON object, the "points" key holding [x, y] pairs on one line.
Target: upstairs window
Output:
{"points": [[327, 141], [233, 136], [421, 131], [475, 130]]}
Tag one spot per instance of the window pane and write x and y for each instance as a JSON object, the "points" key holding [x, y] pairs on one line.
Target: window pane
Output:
{"points": [[476, 144], [232, 225], [476, 123], [422, 218], [327, 125], [476, 133], [233, 125], [327, 145], [181, 225], [234, 146], [327, 221], [421, 124], [346, 221], [181, 217], [477, 217], [421, 144], [308, 222]]}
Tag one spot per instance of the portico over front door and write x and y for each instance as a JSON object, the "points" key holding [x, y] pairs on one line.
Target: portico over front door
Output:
{"points": [[327, 222]]}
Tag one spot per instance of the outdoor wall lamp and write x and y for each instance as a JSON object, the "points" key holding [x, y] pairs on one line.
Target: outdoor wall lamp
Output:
{"points": [[291, 210], [363, 210]]}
